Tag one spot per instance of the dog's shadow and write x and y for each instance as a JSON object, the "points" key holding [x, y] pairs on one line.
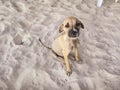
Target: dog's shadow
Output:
{"points": [[72, 58]]}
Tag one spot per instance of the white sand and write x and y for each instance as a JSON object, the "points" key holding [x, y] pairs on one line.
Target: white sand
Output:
{"points": [[32, 67]]}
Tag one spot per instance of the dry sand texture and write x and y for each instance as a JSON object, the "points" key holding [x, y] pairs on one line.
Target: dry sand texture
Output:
{"points": [[33, 67]]}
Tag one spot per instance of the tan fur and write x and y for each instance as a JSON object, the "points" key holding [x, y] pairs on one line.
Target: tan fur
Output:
{"points": [[63, 45]]}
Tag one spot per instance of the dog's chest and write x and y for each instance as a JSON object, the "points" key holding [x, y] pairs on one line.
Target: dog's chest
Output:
{"points": [[69, 43], [72, 44]]}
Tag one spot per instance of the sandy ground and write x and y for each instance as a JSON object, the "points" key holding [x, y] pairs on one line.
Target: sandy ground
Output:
{"points": [[33, 67]]}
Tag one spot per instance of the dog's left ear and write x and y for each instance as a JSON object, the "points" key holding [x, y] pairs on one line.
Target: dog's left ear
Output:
{"points": [[81, 24], [61, 28]]}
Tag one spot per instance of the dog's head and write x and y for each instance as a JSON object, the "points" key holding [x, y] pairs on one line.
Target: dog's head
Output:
{"points": [[71, 26]]}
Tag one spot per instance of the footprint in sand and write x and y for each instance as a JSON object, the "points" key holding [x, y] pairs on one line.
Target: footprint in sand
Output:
{"points": [[22, 38]]}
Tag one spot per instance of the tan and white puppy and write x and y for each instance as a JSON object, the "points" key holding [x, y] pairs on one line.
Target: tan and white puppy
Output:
{"points": [[69, 40]]}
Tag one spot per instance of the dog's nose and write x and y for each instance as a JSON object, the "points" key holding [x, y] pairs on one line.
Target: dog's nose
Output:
{"points": [[74, 31]]}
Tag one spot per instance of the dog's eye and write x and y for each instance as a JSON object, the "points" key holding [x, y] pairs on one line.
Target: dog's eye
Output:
{"points": [[67, 25], [77, 24]]}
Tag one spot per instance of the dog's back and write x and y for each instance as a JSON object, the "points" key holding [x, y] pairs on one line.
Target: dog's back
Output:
{"points": [[56, 46]]}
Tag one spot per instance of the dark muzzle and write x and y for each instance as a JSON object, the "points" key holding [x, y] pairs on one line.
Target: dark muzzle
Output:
{"points": [[74, 33]]}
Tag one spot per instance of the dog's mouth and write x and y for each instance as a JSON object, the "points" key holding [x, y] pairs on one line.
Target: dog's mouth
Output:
{"points": [[73, 33]]}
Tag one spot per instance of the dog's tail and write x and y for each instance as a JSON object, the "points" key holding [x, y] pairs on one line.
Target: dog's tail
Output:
{"points": [[50, 49]]}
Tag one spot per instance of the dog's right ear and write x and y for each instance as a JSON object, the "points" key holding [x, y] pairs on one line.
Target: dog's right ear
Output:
{"points": [[61, 28]]}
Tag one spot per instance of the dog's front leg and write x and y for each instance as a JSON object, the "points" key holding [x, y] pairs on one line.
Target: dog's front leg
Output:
{"points": [[76, 54], [77, 45], [68, 69]]}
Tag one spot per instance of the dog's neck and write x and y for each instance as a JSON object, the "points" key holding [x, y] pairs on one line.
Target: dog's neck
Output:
{"points": [[71, 42], [66, 37]]}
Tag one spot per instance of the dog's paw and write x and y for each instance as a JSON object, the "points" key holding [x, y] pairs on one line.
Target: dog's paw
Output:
{"points": [[69, 73], [77, 58]]}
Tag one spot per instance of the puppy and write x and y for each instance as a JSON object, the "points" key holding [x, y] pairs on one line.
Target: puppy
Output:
{"points": [[69, 40]]}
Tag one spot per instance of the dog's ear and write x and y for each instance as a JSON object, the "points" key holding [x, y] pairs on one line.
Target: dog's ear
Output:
{"points": [[61, 28], [81, 24]]}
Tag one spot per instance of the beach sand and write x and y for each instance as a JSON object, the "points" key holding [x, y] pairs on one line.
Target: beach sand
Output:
{"points": [[31, 66]]}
